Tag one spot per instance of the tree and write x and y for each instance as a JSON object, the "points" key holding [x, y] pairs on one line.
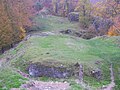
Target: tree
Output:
{"points": [[112, 7], [7, 33], [14, 15], [84, 8], [115, 29], [113, 11], [99, 9], [109, 10], [55, 6]]}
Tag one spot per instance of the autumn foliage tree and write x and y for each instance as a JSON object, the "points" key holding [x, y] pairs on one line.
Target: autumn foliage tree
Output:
{"points": [[7, 33], [84, 8], [115, 29], [14, 15], [113, 10], [109, 9]]}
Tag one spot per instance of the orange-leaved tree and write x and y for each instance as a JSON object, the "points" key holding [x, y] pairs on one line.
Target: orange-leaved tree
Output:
{"points": [[14, 15], [8, 34], [115, 29]]}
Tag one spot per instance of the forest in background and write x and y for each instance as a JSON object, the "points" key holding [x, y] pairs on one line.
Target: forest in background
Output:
{"points": [[102, 17]]}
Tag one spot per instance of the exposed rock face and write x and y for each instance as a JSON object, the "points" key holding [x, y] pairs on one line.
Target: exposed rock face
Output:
{"points": [[39, 70], [73, 16]]}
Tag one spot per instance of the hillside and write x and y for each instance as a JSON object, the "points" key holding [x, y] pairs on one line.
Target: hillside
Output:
{"points": [[48, 45]]}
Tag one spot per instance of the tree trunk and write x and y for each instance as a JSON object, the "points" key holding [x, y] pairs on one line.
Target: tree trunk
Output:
{"points": [[2, 49]]}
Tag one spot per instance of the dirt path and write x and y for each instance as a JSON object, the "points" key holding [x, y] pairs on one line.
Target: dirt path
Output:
{"points": [[40, 85], [49, 85], [112, 84]]}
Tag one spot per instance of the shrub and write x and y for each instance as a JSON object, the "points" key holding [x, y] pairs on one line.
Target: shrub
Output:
{"points": [[85, 21]]}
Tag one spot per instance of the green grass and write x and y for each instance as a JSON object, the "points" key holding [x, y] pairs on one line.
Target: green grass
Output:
{"points": [[75, 86], [54, 23], [10, 79], [116, 69], [70, 50]]}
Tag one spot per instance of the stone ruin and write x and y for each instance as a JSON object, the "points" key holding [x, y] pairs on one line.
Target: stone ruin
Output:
{"points": [[61, 71]]}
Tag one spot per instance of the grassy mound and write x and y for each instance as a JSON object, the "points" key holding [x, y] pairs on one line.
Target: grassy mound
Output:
{"points": [[70, 50]]}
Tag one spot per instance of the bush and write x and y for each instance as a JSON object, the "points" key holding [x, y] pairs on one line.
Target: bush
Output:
{"points": [[102, 25], [85, 21]]}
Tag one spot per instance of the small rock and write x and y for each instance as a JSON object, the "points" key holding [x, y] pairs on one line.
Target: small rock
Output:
{"points": [[97, 74]]}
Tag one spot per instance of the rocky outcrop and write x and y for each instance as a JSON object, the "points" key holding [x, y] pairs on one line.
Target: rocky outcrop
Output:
{"points": [[39, 70]]}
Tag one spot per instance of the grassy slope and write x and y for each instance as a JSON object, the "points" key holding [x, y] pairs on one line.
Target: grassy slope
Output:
{"points": [[53, 23], [65, 49], [69, 50]]}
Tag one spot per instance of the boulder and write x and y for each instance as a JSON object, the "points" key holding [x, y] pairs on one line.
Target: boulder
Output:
{"points": [[73, 16]]}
